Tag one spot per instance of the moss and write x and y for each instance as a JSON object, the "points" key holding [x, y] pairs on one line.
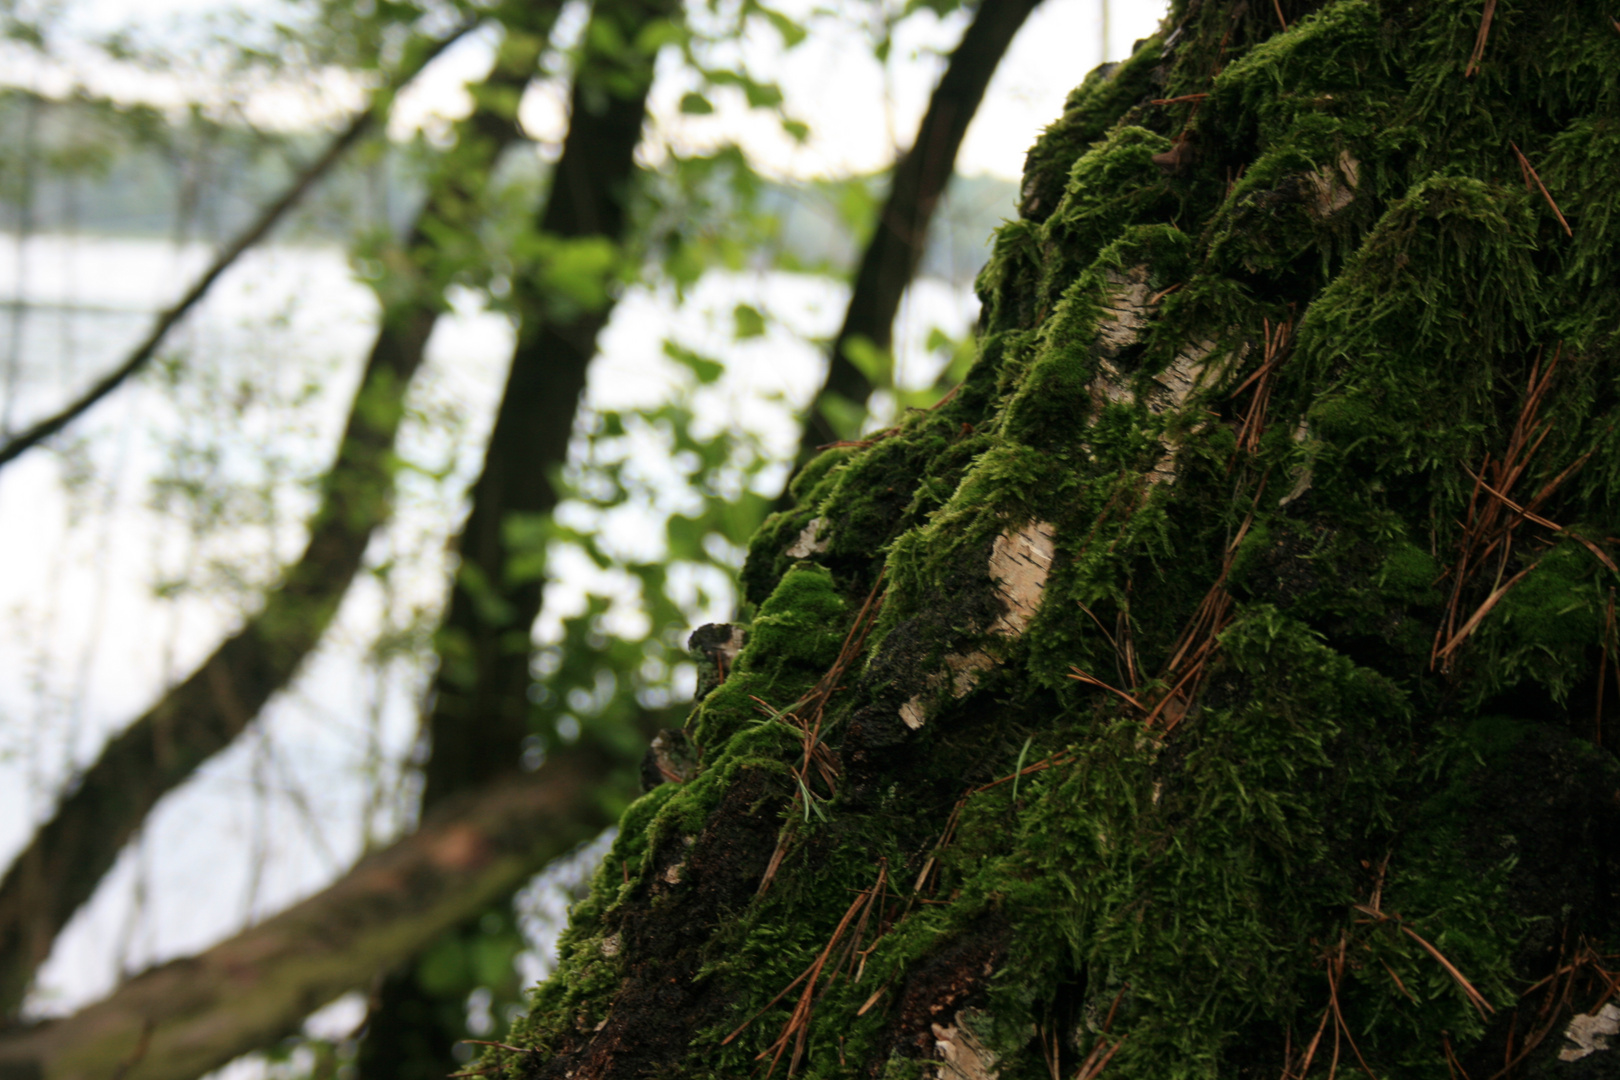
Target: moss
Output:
{"points": [[1115, 184], [792, 640], [1277, 544], [1091, 109]]}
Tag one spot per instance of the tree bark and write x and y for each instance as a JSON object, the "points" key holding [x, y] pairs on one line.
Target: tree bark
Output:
{"points": [[68, 856], [480, 713], [890, 258], [480, 707], [1223, 681], [186, 1017]]}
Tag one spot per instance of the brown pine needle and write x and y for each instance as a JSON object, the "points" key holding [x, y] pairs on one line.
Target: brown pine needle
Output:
{"points": [[1484, 609], [1278, 5], [1398, 983], [501, 1045], [1524, 163], [1336, 970], [1078, 675], [1472, 994], [1310, 1051], [1528, 515], [1479, 42]]}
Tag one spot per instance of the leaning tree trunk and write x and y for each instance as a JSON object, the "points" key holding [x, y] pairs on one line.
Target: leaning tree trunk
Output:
{"points": [[1218, 684]]}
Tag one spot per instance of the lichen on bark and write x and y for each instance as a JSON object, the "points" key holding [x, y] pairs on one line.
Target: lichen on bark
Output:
{"points": [[1301, 362]]}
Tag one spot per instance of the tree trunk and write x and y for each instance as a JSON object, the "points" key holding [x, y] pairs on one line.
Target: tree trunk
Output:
{"points": [[1217, 684], [480, 713]]}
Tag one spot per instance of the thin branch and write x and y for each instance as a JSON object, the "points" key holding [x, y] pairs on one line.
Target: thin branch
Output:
{"points": [[261, 226], [69, 854]]}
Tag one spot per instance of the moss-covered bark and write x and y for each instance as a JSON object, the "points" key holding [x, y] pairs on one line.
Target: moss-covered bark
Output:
{"points": [[1217, 685]]}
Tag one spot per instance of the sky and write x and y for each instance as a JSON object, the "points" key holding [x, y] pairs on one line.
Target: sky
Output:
{"points": [[859, 111]]}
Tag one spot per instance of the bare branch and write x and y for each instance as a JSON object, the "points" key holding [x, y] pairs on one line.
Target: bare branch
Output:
{"points": [[261, 226], [193, 1015], [68, 856]]}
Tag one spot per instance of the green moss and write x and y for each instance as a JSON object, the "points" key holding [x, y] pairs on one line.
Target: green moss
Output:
{"points": [[1113, 185], [1091, 109], [1326, 768], [792, 640]]}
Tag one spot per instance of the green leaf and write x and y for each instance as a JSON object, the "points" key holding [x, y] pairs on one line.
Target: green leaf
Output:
{"points": [[658, 33], [762, 95], [748, 321], [706, 370], [695, 104], [875, 363], [843, 414], [792, 32]]}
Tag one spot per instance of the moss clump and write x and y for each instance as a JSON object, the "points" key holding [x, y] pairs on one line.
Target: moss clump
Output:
{"points": [[1297, 418]]}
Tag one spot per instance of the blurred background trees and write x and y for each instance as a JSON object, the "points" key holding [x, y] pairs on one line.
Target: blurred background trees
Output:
{"points": [[387, 390]]}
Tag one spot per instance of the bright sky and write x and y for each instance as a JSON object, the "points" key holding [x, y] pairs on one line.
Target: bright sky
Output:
{"points": [[859, 111]]}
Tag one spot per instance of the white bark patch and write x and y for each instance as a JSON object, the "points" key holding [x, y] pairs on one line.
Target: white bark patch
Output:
{"points": [[810, 542], [1180, 377], [1333, 187], [727, 652], [611, 946], [1020, 563], [1302, 473], [962, 1055], [1590, 1033], [1125, 311], [1190, 369], [964, 671]]}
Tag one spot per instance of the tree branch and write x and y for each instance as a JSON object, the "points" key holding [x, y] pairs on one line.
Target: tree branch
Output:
{"points": [[261, 226], [68, 856], [193, 1015], [897, 244]]}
